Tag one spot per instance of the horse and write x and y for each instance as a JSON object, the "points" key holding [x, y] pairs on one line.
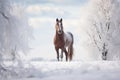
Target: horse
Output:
{"points": [[63, 41]]}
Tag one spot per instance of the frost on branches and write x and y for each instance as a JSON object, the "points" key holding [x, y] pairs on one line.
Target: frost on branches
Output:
{"points": [[102, 24], [14, 31]]}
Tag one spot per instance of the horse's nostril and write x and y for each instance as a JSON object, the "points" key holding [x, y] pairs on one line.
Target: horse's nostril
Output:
{"points": [[60, 32]]}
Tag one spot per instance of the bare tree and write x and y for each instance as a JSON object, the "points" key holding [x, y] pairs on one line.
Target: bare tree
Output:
{"points": [[103, 22], [15, 32]]}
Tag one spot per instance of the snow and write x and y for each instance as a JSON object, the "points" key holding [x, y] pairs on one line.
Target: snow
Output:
{"points": [[77, 70], [13, 21]]}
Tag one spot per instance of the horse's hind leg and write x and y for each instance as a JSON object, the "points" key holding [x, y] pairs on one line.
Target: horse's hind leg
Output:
{"points": [[57, 50], [66, 53]]}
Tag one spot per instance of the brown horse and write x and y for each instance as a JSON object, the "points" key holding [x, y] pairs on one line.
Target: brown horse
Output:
{"points": [[63, 41]]}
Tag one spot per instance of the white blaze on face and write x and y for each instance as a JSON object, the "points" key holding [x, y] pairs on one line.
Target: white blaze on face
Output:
{"points": [[60, 29]]}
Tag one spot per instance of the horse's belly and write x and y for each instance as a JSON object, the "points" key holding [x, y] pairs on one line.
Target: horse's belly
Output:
{"points": [[68, 40]]}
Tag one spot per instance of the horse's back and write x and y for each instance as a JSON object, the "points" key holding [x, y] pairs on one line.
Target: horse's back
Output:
{"points": [[71, 35], [68, 38]]}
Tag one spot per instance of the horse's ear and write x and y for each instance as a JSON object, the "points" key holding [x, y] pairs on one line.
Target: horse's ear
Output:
{"points": [[57, 19], [61, 19]]}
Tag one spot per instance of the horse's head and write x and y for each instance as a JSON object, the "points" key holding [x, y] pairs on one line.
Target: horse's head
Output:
{"points": [[59, 26]]}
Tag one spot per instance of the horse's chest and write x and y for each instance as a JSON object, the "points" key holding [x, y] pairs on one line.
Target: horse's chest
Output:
{"points": [[59, 42]]}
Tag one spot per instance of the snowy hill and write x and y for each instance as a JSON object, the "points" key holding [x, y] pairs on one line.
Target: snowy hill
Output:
{"points": [[97, 70]]}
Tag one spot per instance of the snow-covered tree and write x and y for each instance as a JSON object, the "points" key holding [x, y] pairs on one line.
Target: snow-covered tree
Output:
{"points": [[15, 32], [103, 27]]}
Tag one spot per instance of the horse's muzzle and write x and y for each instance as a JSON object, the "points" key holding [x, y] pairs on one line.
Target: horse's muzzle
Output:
{"points": [[59, 32]]}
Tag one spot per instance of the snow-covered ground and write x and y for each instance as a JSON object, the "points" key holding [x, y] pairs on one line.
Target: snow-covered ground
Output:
{"points": [[77, 70]]}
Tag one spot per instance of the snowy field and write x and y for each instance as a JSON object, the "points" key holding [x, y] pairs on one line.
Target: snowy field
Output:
{"points": [[92, 70]]}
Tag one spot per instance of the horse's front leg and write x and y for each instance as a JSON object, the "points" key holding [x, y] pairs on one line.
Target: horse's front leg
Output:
{"points": [[61, 54], [57, 50]]}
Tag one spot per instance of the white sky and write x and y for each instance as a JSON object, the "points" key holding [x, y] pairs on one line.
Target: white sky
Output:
{"points": [[42, 15]]}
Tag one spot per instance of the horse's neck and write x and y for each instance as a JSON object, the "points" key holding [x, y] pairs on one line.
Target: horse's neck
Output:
{"points": [[60, 36]]}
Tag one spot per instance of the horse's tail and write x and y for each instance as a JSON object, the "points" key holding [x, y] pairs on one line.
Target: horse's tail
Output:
{"points": [[71, 49], [71, 52]]}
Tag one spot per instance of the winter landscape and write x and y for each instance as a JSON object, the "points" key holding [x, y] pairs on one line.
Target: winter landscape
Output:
{"points": [[27, 43]]}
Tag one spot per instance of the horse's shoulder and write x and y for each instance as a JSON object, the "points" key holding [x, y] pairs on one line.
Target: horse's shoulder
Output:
{"points": [[68, 35]]}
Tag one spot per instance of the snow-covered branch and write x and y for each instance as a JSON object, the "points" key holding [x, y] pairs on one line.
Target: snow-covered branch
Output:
{"points": [[103, 24], [15, 33]]}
